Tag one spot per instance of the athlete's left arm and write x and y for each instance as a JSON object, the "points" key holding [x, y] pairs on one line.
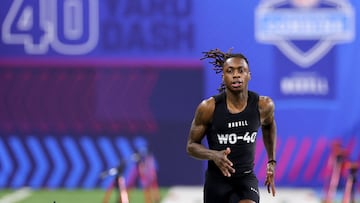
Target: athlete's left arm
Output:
{"points": [[268, 128]]}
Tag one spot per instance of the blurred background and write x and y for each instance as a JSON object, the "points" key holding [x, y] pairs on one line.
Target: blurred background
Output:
{"points": [[85, 84]]}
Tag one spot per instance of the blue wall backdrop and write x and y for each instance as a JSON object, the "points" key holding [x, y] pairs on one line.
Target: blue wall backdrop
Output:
{"points": [[81, 81]]}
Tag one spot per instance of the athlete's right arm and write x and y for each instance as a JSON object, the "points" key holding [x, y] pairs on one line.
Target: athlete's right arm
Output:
{"points": [[203, 117]]}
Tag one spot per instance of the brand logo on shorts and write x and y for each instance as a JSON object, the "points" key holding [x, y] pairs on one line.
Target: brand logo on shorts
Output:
{"points": [[254, 190]]}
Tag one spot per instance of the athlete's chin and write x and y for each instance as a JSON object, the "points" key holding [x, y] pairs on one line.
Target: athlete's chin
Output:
{"points": [[237, 89]]}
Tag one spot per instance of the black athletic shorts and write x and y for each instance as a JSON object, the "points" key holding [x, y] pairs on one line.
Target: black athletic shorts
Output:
{"points": [[221, 189]]}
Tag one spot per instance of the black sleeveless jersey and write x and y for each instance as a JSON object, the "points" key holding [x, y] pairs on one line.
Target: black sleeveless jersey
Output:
{"points": [[236, 131]]}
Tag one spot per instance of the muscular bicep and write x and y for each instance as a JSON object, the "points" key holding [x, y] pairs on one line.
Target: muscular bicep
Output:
{"points": [[201, 120], [197, 131]]}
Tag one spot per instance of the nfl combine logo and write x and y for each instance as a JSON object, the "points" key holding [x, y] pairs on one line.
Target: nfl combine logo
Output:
{"points": [[328, 22]]}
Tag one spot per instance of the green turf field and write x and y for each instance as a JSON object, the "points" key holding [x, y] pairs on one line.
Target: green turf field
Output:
{"points": [[73, 196]]}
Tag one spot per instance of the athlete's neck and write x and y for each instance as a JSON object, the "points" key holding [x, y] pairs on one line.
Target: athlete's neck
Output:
{"points": [[236, 102]]}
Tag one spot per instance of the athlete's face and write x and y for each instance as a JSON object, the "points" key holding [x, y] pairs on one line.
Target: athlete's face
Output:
{"points": [[236, 74]]}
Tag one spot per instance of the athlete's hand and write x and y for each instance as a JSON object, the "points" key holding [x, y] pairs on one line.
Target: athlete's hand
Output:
{"points": [[269, 182], [224, 164]]}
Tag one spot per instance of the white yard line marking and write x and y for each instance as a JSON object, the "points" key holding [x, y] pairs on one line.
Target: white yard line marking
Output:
{"points": [[190, 194], [181, 194], [16, 196]]}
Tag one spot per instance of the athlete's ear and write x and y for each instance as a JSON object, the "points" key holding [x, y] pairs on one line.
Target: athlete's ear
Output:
{"points": [[249, 75]]}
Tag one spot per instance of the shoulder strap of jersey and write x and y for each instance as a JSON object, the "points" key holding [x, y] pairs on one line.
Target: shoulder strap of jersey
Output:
{"points": [[219, 97]]}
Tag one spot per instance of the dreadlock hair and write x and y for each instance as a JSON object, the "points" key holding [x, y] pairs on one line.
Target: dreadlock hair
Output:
{"points": [[218, 58]]}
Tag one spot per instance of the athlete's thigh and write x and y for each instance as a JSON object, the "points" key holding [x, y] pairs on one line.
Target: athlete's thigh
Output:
{"points": [[236, 199]]}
